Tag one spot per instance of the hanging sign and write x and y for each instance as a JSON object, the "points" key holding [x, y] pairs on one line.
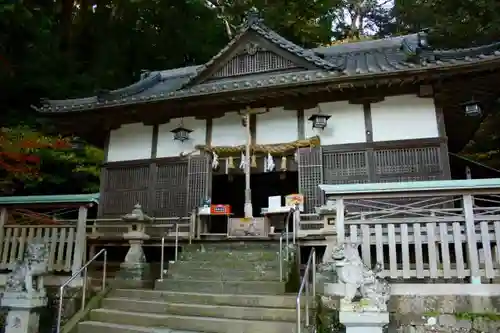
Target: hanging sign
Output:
{"points": [[294, 199], [220, 209]]}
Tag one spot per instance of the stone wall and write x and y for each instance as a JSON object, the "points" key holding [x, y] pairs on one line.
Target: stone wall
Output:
{"points": [[431, 314], [416, 314]]}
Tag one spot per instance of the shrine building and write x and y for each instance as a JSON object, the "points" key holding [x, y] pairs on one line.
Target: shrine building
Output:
{"points": [[385, 110]]}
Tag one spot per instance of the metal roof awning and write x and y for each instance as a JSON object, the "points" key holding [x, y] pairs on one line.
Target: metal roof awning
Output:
{"points": [[50, 199], [416, 186]]}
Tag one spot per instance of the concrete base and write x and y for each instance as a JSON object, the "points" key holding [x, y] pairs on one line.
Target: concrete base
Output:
{"points": [[137, 271], [134, 275], [22, 321], [22, 317], [364, 322]]}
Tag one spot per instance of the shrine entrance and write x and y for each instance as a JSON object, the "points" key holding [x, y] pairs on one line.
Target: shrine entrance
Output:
{"points": [[230, 190]]}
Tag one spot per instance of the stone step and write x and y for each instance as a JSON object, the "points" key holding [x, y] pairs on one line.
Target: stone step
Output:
{"points": [[222, 274], [223, 287], [228, 256], [202, 310], [233, 246], [98, 327], [188, 323], [268, 301], [235, 264]]}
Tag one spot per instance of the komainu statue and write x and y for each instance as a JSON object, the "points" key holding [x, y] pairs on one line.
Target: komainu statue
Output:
{"points": [[357, 277], [32, 268]]}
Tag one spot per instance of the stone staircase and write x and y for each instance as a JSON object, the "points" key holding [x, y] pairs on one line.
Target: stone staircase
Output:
{"points": [[219, 288]]}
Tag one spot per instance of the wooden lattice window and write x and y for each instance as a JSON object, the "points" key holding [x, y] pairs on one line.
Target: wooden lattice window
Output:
{"points": [[345, 167], [171, 189], [123, 188], [310, 168], [258, 62], [408, 163], [198, 180]]}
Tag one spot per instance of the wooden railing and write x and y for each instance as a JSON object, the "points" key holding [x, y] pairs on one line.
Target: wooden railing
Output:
{"points": [[434, 229], [60, 238], [66, 252], [310, 224], [157, 228], [67, 239]]}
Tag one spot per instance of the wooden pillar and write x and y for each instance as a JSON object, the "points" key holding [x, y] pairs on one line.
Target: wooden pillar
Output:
{"points": [[80, 240], [3, 221], [443, 148], [339, 220], [472, 252]]}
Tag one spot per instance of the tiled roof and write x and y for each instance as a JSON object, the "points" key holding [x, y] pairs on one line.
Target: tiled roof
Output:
{"points": [[375, 56], [400, 53], [338, 62]]}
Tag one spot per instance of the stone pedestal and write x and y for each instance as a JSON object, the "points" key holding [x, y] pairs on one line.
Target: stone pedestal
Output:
{"points": [[135, 266], [23, 316], [364, 322], [363, 317]]}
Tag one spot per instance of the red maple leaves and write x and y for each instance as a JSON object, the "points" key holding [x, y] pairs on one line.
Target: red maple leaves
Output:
{"points": [[20, 151]]}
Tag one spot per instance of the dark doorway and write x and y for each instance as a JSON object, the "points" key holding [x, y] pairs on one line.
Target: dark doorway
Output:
{"points": [[230, 190]]}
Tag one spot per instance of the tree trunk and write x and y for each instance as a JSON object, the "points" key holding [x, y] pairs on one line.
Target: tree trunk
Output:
{"points": [[66, 24]]}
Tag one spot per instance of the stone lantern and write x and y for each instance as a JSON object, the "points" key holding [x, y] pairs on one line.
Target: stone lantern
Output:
{"points": [[135, 268]]}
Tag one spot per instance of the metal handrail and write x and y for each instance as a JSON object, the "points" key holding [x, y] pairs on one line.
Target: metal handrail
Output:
{"points": [[287, 241], [176, 244], [281, 257], [304, 287], [84, 289], [287, 231]]}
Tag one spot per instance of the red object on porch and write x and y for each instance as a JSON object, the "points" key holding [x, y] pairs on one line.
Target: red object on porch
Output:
{"points": [[220, 209]]}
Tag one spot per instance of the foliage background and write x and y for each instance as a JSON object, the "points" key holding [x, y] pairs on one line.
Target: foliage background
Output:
{"points": [[68, 48]]}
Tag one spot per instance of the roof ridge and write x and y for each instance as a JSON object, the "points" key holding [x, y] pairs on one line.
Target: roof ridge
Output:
{"points": [[267, 33], [137, 87], [255, 23], [493, 45]]}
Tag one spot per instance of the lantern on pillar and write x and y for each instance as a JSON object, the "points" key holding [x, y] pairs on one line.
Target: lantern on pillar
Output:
{"points": [[319, 120]]}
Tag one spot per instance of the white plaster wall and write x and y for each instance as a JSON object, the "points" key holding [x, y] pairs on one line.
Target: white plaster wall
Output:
{"points": [[276, 126], [346, 125], [130, 142], [228, 130], [404, 117], [167, 147]]}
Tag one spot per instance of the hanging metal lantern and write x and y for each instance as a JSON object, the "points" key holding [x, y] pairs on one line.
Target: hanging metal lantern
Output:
{"points": [[423, 41], [181, 133], [77, 143], [472, 108], [319, 120]]}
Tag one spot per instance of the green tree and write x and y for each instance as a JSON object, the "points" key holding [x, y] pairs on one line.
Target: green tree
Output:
{"points": [[354, 19], [454, 23], [62, 49], [305, 22]]}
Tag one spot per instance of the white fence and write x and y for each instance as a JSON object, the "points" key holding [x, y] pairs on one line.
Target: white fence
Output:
{"points": [[435, 229]]}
